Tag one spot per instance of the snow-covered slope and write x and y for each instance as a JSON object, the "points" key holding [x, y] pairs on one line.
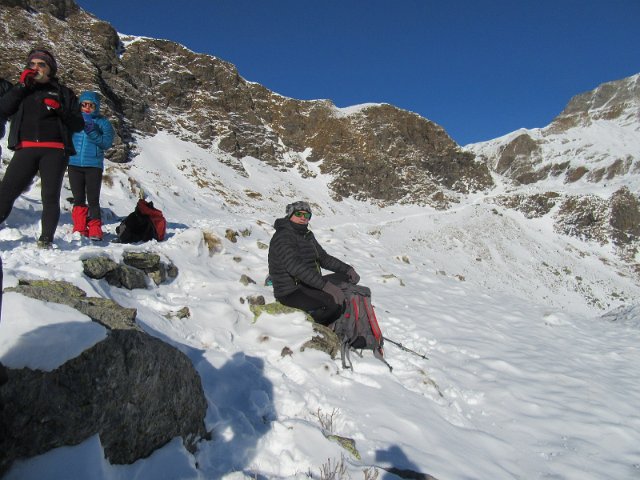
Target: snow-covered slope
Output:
{"points": [[524, 377], [591, 147]]}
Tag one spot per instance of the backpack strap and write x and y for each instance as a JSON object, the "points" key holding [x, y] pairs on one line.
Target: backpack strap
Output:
{"points": [[344, 355], [373, 321], [378, 351], [345, 348]]}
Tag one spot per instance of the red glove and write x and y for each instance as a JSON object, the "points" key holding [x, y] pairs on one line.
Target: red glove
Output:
{"points": [[28, 77], [51, 103]]}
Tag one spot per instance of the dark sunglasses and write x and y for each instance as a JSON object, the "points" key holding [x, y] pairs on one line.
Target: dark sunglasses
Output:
{"points": [[88, 105], [306, 215]]}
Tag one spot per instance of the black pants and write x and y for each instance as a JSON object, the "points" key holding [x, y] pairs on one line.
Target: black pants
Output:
{"points": [[85, 185], [26, 162], [317, 303]]}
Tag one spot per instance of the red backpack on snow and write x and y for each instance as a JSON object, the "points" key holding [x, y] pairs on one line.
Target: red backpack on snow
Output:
{"points": [[145, 223]]}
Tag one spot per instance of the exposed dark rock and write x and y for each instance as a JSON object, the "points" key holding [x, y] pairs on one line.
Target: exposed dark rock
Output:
{"points": [[183, 313], [133, 390], [575, 174], [108, 313], [231, 235], [102, 310], [127, 277], [143, 260], [60, 9], [130, 275], [608, 101], [533, 206], [98, 267], [349, 444], [625, 221], [256, 300], [246, 280], [517, 159], [150, 263], [584, 217], [326, 341], [159, 275]]}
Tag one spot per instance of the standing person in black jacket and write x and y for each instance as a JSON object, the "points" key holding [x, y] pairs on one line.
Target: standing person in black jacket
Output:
{"points": [[5, 86], [44, 114], [296, 260]]}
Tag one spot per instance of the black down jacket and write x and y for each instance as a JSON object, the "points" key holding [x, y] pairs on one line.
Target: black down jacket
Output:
{"points": [[69, 117], [295, 257]]}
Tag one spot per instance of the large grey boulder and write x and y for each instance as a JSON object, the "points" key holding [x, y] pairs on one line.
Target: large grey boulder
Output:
{"points": [[133, 390]]}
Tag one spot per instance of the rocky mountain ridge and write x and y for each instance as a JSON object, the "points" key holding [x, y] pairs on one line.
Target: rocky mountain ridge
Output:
{"points": [[152, 85], [375, 153]]}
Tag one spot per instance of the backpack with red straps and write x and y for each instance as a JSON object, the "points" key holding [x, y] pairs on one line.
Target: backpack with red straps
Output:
{"points": [[145, 223], [358, 327]]}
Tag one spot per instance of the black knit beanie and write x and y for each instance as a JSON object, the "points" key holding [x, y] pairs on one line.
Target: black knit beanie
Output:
{"points": [[46, 57]]}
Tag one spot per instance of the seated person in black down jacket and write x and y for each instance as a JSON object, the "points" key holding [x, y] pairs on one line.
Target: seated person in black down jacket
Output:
{"points": [[296, 260]]}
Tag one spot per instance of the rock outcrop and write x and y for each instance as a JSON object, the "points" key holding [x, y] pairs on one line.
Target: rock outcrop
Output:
{"points": [[133, 390]]}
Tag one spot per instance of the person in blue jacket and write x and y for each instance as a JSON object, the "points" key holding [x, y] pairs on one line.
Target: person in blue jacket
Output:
{"points": [[86, 166]]}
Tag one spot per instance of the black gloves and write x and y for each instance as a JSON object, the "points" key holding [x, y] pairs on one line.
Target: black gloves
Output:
{"points": [[335, 291], [353, 275]]}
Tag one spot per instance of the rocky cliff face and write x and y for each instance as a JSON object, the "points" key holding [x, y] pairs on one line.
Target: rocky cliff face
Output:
{"points": [[378, 152]]}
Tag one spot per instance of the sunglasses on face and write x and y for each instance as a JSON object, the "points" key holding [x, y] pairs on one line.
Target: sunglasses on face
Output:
{"points": [[33, 64], [87, 105], [306, 215]]}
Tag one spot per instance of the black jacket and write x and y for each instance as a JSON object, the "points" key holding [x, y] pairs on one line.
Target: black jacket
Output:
{"points": [[5, 86], [295, 256], [69, 117]]}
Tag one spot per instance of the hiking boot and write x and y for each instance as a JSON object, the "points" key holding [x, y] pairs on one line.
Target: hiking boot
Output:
{"points": [[95, 229], [79, 218], [44, 242]]}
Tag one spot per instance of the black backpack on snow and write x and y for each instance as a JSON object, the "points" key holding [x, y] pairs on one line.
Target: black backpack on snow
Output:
{"points": [[358, 327], [145, 223]]}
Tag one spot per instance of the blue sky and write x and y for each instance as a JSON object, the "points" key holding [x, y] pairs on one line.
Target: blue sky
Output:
{"points": [[480, 69]]}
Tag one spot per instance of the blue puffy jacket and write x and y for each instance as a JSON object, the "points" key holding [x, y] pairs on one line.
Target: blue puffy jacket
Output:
{"points": [[90, 146]]}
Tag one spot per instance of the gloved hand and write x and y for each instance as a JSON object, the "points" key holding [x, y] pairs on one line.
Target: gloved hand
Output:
{"points": [[89, 124], [335, 291], [52, 103], [28, 77], [353, 275]]}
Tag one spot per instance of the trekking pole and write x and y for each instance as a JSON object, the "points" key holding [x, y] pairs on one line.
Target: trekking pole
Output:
{"points": [[402, 347]]}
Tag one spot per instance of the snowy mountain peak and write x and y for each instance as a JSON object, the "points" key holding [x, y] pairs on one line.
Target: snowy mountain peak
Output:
{"points": [[617, 101]]}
